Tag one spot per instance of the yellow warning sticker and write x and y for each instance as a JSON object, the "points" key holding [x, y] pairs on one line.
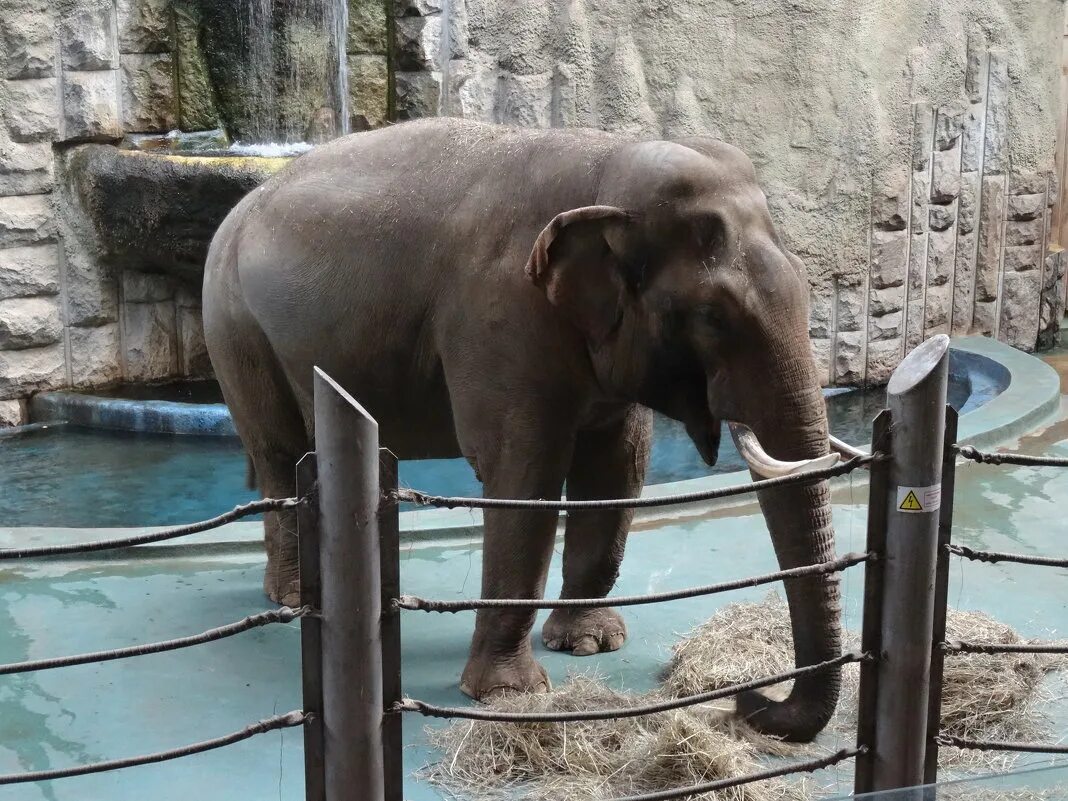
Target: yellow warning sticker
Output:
{"points": [[919, 499]]}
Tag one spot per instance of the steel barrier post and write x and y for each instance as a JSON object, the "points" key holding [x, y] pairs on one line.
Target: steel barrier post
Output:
{"points": [[916, 396], [871, 626], [389, 538], [938, 633], [311, 657], [350, 570]]}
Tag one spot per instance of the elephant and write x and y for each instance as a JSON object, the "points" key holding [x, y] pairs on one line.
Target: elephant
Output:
{"points": [[523, 298]]}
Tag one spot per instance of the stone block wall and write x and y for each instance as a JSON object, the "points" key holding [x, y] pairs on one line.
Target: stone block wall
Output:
{"points": [[907, 158], [77, 72]]}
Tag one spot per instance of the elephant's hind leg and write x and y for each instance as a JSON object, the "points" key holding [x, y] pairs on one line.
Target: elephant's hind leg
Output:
{"points": [[607, 463]]}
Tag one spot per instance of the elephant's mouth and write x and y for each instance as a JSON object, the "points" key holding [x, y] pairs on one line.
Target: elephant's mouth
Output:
{"points": [[705, 436]]}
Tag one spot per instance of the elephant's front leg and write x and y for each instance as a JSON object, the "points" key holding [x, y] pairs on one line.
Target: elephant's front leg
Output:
{"points": [[607, 463], [517, 550]]}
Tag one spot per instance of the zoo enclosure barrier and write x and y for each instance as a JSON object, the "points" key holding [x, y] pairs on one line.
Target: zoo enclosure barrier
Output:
{"points": [[356, 522], [269, 617]]}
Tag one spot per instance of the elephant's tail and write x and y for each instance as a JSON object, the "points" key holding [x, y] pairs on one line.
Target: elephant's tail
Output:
{"points": [[250, 473]]}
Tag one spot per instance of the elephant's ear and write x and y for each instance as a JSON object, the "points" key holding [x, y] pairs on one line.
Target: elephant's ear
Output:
{"points": [[574, 264]]}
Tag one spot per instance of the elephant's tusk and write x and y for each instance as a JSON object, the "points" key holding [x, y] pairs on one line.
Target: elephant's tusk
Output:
{"points": [[845, 448], [767, 466]]}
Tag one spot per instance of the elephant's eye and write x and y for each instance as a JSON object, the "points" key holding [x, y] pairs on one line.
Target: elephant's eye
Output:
{"points": [[710, 317]]}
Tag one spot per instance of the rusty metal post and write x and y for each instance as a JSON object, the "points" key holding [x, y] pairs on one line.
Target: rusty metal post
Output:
{"points": [[938, 634], [350, 566], [871, 626], [916, 396], [311, 662], [389, 538]]}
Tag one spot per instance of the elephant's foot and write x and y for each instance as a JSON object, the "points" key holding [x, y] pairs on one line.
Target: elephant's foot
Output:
{"points": [[487, 675], [282, 585], [584, 632]]}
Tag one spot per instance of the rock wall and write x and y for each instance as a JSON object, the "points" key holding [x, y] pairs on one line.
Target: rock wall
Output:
{"points": [[906, 149]]}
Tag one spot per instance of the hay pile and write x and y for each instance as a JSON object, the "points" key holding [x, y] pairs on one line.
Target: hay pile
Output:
{"points": [[985, 696], [595, 760]]}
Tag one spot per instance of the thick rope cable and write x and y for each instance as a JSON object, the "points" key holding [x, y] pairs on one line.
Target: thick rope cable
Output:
{"points": [[415, 603], [448, 502], [986, 457], [281, 615], [737, 781], [288, 720], [998, 745], [997, 556], [958, 647], [497, 716], [238, 512]]}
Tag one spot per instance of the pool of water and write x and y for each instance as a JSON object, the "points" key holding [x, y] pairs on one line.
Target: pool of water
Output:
{"points": [[80, 477]]}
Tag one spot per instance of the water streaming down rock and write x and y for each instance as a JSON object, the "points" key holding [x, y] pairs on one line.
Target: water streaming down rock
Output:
{"points": [[295, 76]]}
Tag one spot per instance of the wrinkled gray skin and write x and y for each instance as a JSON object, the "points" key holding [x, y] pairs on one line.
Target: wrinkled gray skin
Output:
{"points": [[523, 298]]}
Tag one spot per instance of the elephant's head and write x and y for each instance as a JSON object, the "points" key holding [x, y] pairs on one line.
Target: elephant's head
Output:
{"points": [[691, 305]]}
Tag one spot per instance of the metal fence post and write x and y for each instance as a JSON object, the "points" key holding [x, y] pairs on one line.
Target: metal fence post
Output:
{"points": [[938, 633], [389, 537], [346, 440], [871, 626], [311, 658], [916, 396]]}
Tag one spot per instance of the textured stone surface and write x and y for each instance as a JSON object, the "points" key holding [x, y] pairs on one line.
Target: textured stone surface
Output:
{"points": [[29, 271], [1030, 232], [31, 109], [29, 323], [25, 220], [31, 370], [196, 98], [890, 205], [964, 284], [92, 297], [87, 35], [1027, 207], [145, 287], [972, 141], [367, 27], [914, 319], [850, 314], [917, 266], [889, 255], [888, 326], [149, 330], [12, 413], [25, 169], [416, 8], [942, 217], [148, 93], [414, 41], [941, 250], [368, 92], [91, 106], [983, 317], [1024, 257], [991, 214], [966, 205], [27, 39], [195, 360], [1052, 310], [923, 120], [1027, 183], [996, 157], [821, 353], [417, 94], [937, 303], [945, 183], [849, 358], [885, 301], [883, 357], [820, 313], [1020, 309], [95, 355], [144, 26], [921, 198]]}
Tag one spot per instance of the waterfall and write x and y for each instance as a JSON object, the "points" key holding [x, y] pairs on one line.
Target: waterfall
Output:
{"points": [[340, 17], [295, 57]]}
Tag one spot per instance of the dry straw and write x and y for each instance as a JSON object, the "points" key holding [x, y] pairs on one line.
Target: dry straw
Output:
{"points": [[985, 696]]}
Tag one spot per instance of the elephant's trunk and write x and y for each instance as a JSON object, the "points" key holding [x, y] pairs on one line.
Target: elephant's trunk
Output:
{"points": [[793, 427]]}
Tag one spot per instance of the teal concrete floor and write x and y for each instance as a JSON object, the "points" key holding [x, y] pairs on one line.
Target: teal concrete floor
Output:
{"points": [[66, 717]]}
